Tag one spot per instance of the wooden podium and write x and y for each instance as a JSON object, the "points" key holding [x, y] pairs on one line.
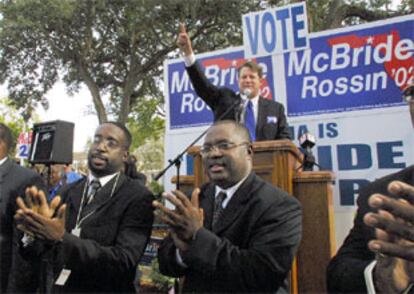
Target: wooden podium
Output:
{"points": [[278, 162]]}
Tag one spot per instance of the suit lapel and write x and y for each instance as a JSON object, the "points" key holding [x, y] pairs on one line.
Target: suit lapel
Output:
{"points": [[207, 203], [234, 207], [5, 168], [73, 199], [261, 116]]}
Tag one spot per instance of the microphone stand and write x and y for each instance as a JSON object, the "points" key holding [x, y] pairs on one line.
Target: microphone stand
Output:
{"points": [[308, 161], [177, 160], [43, 278]]}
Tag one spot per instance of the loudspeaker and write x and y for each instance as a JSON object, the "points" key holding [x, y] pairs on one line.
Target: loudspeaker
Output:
{"points": [[52, 142]]}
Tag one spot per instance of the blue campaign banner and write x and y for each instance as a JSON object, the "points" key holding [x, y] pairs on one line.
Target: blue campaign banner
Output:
{"points": [[185, 108], [358, 69]]}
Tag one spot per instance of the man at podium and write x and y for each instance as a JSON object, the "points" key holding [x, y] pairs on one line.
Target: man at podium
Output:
{"points": [[238, 233], [265, 119]]}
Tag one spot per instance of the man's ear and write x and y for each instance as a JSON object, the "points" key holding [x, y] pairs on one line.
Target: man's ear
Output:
{"points": [[125, 156], [250, 149]]}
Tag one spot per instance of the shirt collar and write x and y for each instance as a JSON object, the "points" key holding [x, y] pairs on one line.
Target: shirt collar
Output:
{"points": [[229, 191], [255, 100], [2, 161], [102, 180]]}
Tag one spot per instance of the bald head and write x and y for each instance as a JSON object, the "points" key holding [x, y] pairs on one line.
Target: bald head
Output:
{"points": [[227, 153], [240, 130]]}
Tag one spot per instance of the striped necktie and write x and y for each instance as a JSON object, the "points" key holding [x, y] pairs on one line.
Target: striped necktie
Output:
{"points": [[218, 207], [94, 186]]}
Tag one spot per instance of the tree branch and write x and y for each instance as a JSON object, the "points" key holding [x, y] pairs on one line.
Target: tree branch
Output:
{"points": [[367, 15]]}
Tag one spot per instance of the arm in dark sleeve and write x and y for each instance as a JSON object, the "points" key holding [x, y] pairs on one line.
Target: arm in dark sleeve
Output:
{"points": [[283, 127], [345, 272], [203, 87], [168, 260], [117, 261], [263, 266], [31, 179], [24, 269]]}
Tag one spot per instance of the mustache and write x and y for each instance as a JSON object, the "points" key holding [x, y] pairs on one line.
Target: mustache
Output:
{"points": [[212, 162], [98, 155]]}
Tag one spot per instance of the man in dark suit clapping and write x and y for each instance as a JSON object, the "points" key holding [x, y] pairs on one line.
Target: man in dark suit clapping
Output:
{"points": [[13, 181], [237, 233], [100, 233], [265, 119]]}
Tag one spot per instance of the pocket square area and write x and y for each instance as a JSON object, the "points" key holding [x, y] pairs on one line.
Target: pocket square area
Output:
{"points": [[271, 119]]}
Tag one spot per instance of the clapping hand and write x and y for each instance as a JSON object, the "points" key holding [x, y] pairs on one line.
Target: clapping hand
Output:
{"points": [[185, 220], [37, 218], [394, 243]]}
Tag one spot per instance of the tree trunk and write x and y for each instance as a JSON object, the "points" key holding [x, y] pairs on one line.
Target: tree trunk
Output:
{"points": [[96, 96], [335, 15]]}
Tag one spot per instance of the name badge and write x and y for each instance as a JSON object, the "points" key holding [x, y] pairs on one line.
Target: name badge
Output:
{"points": [[76, 232], [63, 277]]}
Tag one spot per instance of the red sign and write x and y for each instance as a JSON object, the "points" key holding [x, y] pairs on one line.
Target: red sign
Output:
{"points": [[25, 138]]}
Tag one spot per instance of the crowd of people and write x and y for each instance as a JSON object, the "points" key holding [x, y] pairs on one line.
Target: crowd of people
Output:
{"points": [[237, 233]]}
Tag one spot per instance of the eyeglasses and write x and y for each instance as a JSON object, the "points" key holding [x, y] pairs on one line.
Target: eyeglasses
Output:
{"points": [[108, 142], [223, 146]]}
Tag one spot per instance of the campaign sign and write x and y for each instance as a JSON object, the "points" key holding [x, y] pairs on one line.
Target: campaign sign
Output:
{"points": [[360, 148], [275, 30], [352, 70], [23, 144], [340, 90], [186, 109]]}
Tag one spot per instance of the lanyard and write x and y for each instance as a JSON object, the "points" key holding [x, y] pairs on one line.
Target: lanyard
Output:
{"points": [[80, 220]]}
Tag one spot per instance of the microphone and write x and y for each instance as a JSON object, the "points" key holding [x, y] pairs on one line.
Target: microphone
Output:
{"points": [[237, 107], [307, 141], [240, 109], [233, 107], [247, 92]]}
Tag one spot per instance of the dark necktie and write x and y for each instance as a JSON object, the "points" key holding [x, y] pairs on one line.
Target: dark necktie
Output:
{"points": [[92, 189], [218, 207], [249, 121]]}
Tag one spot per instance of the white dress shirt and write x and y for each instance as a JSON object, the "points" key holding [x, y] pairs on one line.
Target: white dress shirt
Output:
{"points": [[102, 180], [369, 279], [229, 191], [3, 160]]}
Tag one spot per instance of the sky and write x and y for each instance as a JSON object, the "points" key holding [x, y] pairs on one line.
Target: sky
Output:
{"points": [[72, 109]]}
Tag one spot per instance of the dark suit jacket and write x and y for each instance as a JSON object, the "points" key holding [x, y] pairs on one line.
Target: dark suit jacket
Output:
{"points": [[112, 239], [345, 272], [13, 181], [252, 248], [271, 122]]}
